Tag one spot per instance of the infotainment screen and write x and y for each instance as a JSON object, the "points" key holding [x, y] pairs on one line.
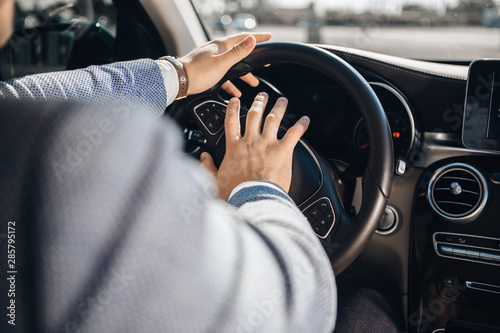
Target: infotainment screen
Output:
{"points": [[481, 125]]}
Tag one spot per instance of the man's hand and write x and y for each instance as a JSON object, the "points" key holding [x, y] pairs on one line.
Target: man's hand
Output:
{"points": [[258, 155], [6, 20], [207, 64], [232, 90]]}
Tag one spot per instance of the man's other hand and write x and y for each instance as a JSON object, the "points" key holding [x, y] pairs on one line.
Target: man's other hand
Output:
{"points": [[259, 154], [207, 64]]}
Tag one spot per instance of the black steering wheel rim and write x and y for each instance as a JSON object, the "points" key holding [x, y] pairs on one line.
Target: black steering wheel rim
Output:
{"points": [[354, 233]]}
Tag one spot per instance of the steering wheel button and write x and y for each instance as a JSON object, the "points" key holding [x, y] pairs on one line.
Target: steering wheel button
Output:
{"points": [[214, 106], [202, 114], [217, 118], [324, 205], [212, 126], [322, 222], [221, 109], [309, 217], [329, 217], [317, 228], [314, 212]]}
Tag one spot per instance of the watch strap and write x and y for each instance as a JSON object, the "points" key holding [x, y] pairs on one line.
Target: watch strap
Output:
{"points": [[181, 73]]}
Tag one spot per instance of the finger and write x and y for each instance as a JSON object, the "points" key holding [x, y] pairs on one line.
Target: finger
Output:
{"points": [[208, 162], [273, 119], [250, 80], [254, 115], [295, 132], [260, 37], [231, 89], [238, 52], [232, 121]]}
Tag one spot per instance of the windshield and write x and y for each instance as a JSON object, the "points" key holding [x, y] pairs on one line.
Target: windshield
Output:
{"points": [[446, 30]]}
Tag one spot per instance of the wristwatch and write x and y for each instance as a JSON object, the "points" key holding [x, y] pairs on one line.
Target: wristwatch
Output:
{"points": [[181, 73]]}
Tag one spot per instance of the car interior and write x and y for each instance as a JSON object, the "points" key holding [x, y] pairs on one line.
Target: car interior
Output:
{"points": [[398, 173]]}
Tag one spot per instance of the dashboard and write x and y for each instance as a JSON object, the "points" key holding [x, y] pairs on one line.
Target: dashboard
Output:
{"points": [[437, 249], [337, 131]]}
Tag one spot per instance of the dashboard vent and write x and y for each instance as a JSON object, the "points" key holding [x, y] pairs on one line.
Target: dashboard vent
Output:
{"points": [[458, 193]]}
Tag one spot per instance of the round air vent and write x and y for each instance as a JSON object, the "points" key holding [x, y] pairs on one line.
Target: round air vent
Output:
{"points": [[458, 193]]}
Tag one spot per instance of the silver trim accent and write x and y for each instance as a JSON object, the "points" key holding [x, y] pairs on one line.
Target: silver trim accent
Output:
{"points": [[408, 111], [400, 167], [320, 171], [437, 330], [464, 258], [395, 225], [270, 85], [196, 149], [201, 121], [482, 287], [333, 212], [476, 210]]}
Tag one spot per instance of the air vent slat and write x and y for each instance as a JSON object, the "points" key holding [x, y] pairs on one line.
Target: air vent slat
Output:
{"points": [[457, 192], [460, 178], [471, 192], [455, 203]]}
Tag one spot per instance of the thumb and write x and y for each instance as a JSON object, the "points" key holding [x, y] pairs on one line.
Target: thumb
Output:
{"points": [[208, 162], [238, 52]]}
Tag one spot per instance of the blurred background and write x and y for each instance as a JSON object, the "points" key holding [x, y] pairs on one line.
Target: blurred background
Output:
{"points": [[422, 29], [48, 31]]}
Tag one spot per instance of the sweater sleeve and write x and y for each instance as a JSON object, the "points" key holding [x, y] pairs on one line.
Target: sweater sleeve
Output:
{"points": [[138, 82], [130, 236]]}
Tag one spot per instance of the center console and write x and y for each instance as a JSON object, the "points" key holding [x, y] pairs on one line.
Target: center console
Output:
{"points": [[455, 235], [455, 246]]}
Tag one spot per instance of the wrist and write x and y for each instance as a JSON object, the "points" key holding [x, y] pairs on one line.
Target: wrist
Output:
{"points": [[181, 74]]}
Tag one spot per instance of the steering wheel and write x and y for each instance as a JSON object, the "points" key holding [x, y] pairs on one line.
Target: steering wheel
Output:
{"points": [[314, 186]]}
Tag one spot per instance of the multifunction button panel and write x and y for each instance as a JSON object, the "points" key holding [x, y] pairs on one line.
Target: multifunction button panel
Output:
{"points": [[468, 247], [321, 217], [211, 115]]}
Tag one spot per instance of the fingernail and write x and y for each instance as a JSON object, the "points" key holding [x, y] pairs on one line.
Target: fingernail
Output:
{"points": [[306, 119], [282, 100], [263, 94], [233, 100]]}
